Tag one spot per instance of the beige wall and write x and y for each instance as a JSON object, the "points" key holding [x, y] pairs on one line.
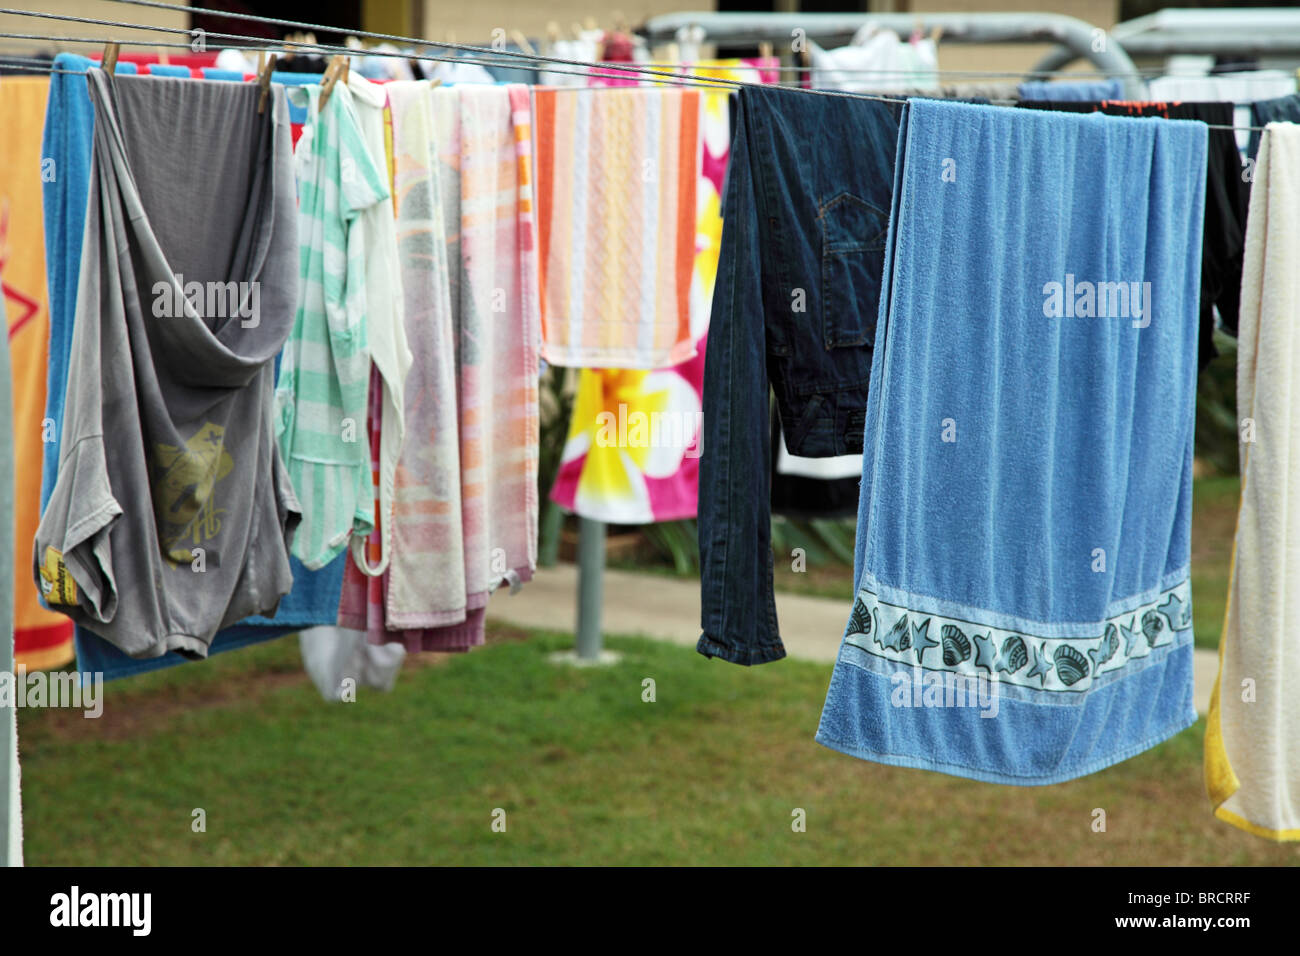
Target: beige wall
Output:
{"points": [[476, 19], [98, 9]]}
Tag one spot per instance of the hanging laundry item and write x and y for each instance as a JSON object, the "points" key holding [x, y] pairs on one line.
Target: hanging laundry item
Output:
{"points": [[618, 47], [1023, 539], [465, 510], [179, 525], [813, 487], [455, 72], [507, 72], [657, 480], [42, 638], [1252, 763], [334, 655], [584, 48], [325, 370], [426, 581], [616, 173], [1071, 91], [807, 205], [483, 137], [11, 808], [69, 131], [385, 320], [632, 455], [1243, 89], [876, 60], [361, 603], [1226, 196], [1283, 109]]}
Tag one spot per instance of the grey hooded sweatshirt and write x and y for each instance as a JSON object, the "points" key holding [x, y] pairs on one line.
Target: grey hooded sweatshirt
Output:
{"points": [[172, 514]]}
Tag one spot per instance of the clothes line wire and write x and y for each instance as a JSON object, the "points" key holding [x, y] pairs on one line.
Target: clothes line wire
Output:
{"points": [[481, 55], [485, 54], [271, 46], [36, 65], [518, 57], [309, 48]]}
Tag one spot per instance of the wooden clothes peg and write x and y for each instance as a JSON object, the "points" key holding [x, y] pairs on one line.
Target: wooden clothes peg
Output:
{"points": [[109, 60], [331, 77], [264, 72]]}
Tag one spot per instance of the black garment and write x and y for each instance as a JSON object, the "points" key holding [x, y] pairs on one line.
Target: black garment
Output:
{"points": [[802, 497], [302, 64], [32, 64], [1227, 196], [1284, 109]]}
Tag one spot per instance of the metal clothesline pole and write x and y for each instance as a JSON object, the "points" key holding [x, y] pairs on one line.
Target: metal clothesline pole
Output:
{"points": [[1226, 32], [591, 588]]}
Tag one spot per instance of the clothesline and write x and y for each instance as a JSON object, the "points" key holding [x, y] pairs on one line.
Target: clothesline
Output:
{"points": [[31, 64], [508, 58], [324, 49], [479, 55], [484, 54]]}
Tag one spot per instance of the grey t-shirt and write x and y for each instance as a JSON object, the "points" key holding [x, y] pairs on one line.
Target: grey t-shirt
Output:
{"points": [[172, 513]]}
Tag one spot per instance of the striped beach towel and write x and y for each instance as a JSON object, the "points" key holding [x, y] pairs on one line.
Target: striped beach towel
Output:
{"points": [[484, 135], [465, 511], [426, 583], [616, 176]]}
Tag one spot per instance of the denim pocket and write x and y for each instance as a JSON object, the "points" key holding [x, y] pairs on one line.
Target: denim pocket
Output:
{"points": [[853, 256]]}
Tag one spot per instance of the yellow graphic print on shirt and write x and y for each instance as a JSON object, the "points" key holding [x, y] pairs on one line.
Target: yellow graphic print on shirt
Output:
{"points": [[183, 492], [57, 585]]}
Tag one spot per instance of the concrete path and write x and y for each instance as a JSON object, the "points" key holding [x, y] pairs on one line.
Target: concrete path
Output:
{"points": [[668, 609]]}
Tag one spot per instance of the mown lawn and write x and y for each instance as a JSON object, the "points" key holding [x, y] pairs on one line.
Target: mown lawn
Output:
{"points": [[585, 770]]}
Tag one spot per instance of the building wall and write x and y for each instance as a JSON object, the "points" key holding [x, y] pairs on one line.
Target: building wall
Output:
{"points": [[98, 9]]}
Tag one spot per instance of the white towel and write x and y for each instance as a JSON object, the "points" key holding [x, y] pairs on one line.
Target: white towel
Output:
{"points": [[11, 808], [1252, 743]]}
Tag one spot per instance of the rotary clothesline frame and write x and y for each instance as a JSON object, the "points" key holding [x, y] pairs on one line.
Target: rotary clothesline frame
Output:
{"points": [[1076, 36]]}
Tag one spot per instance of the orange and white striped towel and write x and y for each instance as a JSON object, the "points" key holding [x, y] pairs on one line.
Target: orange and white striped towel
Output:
{"points": [[616, 177]]}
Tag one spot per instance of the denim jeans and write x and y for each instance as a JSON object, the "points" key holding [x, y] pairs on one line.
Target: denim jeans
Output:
{"points": [[805, 217]]}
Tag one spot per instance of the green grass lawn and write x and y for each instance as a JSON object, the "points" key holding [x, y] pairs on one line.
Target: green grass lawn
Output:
{"points": [[586, 772], [1214, 526]]}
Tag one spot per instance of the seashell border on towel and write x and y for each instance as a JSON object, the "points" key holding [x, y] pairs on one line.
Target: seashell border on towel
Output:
{"points": [[1039, 661]]}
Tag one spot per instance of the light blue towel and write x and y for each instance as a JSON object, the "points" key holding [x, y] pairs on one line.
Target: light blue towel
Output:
{"points": [[170, 69], [1088, 91], [1027, 469]]}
